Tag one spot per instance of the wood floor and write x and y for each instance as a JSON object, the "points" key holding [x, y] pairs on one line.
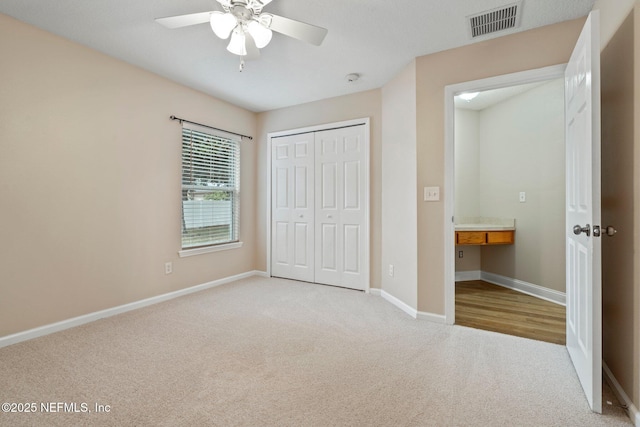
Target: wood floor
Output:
{"points": [[482, 305]]}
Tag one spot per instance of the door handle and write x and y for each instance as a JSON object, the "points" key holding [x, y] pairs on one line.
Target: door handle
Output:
{"points": [[586, 230], [329, 216], [610, 231]]}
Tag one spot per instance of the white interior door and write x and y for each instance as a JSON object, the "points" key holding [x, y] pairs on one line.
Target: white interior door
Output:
{"points": [[292, 207], [341, 215], [584, 298]]}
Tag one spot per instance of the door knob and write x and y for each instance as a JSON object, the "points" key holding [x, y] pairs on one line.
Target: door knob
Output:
{"points": [[610, 231], [329, 216], [301, 216], [586, 230]]}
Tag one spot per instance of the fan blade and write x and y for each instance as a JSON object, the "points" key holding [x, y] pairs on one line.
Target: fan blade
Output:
{"points": [[250, 45], [297, 29], [179, 21]]}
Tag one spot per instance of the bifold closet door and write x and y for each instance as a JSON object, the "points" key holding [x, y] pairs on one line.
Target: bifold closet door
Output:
{"points": [[292, 207], [340, 207], [318, 207]]}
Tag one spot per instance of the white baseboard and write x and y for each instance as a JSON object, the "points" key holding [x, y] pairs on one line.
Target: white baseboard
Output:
{"points": [[431, 317], [400, 304], [375, 292], [525, 287], [91, 317], [260, 273], [632, 411], [420, 315], [462, 276]]}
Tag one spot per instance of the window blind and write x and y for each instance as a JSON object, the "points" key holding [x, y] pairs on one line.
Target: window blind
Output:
{"points": [[210, 187]]}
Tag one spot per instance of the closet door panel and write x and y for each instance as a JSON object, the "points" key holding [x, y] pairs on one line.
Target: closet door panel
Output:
{"points": [[301, 248], [352, 185], [281, 243], [327, 187], [292, 207], [340, 206], [351, 251]]}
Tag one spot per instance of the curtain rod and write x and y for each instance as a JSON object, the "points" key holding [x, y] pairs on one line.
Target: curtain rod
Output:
{"points": [[210, 127]]}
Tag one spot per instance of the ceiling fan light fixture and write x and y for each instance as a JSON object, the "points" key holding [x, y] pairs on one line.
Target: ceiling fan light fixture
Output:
{"points": [[261, 34], [223, 24], [248, 29], [237, 45]]}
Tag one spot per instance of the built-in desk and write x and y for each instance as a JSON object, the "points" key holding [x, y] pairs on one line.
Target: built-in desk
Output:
{"points": [[486, 232]]}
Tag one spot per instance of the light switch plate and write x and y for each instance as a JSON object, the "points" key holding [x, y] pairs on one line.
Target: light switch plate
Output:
{"points": [[431, 194]]}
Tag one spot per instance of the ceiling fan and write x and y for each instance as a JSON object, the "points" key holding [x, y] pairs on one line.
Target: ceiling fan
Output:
{"points": [[249, 28]]}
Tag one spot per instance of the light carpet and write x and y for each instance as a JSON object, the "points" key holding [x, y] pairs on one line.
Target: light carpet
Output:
{"points": [[272, 352]]}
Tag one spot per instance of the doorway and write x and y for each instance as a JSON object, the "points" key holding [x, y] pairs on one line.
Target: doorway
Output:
{"points": [[527, 77], [510, 182]]}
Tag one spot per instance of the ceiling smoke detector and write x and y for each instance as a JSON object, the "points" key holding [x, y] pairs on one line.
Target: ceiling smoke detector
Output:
{"points": [[353, 77], [495, 20]]}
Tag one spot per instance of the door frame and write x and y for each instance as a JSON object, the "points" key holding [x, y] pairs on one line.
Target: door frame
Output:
{"points": [[450, 91], [367, 226]]}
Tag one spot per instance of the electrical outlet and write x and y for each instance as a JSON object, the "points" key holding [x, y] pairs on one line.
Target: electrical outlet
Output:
{"points": [[391, 270], [168, 267], [523, 197], [460, 254]]}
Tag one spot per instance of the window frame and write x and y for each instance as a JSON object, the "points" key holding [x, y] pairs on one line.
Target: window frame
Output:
{"points": [[225, 153]]}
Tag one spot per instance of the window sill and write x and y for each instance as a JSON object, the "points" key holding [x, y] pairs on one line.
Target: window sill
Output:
{"points": [[199, 251]]}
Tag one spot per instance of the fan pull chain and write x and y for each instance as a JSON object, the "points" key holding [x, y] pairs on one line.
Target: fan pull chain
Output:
{"points": [[241, 65]]}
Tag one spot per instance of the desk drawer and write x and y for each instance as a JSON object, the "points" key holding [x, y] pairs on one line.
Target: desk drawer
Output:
{"points": [[499, 237], [471, 237]]}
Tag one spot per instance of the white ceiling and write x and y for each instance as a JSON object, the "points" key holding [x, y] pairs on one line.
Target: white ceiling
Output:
{"points": [[375, 38], [489, 98]]}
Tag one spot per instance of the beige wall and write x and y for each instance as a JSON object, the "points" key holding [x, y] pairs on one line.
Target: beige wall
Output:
{"points": [[617, 201], [467, 162], [612, 15], [620, 201], [356, 106], [399, 191], [635, 290], [471, 258], [522, 149], [532, 49], [90, 181]]}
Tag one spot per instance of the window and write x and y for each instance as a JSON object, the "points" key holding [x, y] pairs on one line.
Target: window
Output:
{"points": [[210, 187]]}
